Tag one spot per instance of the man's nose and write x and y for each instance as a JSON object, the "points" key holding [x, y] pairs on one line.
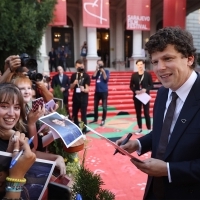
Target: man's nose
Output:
{"points": [[161, 65]]}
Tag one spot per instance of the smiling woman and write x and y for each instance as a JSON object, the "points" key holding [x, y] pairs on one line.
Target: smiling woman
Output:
{"points": [[11, 111]]}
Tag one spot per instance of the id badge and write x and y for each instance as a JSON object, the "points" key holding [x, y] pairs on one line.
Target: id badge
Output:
{"points": [[98, 81], [78, 90]]}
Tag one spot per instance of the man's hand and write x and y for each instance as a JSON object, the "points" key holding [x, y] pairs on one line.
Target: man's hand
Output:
{"points": [[82, 88], [130, 146], [75, 82], [152, 167], [62, 89]]}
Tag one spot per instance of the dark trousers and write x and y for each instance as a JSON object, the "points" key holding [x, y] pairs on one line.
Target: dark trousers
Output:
{"points": [[103, 96], [52, 65], [138, 107], [82, 106]]}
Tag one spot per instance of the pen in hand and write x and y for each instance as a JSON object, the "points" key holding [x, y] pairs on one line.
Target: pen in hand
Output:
{"points": [[124, 142], [15, 159]]}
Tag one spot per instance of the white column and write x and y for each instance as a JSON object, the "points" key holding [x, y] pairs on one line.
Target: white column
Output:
{"points": [[43, 62], [120, 65], [137, 49], [92, 49]]}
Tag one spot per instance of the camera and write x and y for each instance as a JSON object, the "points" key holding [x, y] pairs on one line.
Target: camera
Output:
{"points": [[100, 66], [27, 61], [80, 70], [34, 76], [47, 79], [31, 65]]}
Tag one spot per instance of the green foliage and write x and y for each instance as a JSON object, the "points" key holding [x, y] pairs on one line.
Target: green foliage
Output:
{"points": [[71, 159], [57, 93], [88, 185], [22, 25]]}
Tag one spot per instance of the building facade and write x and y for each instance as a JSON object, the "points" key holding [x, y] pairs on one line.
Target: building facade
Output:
{"points": [[118, 47]]}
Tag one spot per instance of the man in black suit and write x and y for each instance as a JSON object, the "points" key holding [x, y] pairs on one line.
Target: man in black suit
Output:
{"points": [[63, 81], [52, 59], [174, 167]]}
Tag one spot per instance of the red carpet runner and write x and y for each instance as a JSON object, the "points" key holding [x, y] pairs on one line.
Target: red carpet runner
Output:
{"points": [[118, 173]]}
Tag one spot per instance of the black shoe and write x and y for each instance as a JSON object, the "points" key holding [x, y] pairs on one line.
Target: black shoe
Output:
{"points": [[102, 123], [93, 121]]}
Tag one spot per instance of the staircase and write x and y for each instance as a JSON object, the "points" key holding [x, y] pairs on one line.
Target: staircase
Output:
{"points": [[120, 97]]}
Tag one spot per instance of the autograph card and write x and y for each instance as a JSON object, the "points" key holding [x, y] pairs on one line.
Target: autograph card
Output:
{"points": [[116, 146]]}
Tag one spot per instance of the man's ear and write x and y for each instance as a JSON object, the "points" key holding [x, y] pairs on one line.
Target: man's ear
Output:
{"points": [[190, 60]]}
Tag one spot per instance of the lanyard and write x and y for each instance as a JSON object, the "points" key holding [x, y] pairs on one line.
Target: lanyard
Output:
{"points": [[140, 81]]}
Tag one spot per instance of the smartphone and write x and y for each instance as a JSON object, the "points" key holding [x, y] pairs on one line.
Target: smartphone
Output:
{"points": [[50, 104], [36, 103], [58, 191]]}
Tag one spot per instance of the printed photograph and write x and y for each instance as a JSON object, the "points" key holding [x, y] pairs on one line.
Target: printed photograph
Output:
{"points": [[37, 177], [67, 130]]}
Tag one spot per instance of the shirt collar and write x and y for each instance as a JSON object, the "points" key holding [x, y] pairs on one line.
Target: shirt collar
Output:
{"points": [[184, 90]]}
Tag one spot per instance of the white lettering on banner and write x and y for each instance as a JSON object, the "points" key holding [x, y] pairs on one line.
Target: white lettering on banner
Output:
{"points": [[135, 21], [95, 4]]}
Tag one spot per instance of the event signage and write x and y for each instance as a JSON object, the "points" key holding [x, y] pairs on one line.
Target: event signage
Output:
{"points": [[96, 13], [138, 15], [60, 14]]}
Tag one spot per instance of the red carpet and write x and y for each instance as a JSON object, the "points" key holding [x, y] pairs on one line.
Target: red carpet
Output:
{"points": [[118, 173]]}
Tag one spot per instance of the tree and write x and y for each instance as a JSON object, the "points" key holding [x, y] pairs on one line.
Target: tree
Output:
{"points": [[22, 25]]}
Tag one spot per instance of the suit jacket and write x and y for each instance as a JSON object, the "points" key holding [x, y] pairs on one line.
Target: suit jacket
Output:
{"points": [[65, 83], [183, 150], [146, 83]]}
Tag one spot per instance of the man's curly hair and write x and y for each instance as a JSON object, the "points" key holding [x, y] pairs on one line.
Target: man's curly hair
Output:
{"points": [[181, 39]]}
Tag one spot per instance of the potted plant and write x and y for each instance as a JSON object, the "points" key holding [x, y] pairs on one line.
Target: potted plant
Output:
{"points": [[89, 185]]}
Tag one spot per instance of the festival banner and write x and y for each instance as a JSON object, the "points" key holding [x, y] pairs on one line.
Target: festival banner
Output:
{"points": [[96, 13], [138, 14], [174, 13], [60, 14]]}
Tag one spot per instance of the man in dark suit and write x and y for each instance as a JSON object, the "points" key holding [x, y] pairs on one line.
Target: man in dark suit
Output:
{"points": [[174, 168], [141, 82], [52, 59], [63, 81]]}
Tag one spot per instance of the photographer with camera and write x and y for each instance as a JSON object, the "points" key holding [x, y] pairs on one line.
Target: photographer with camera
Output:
{"points": [[80, 84], [24, 64], [101, 76]]}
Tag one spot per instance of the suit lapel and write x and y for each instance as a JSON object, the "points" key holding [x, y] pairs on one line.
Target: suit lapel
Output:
{"points": [[190, 108]]}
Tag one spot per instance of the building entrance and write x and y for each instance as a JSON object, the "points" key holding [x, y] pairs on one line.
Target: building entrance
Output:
{"points": [[64, 37], [103, 45]]}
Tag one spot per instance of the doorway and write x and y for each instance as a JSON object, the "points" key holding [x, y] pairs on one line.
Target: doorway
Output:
{"points": [[64, 37], [103, 46], [128, 46]]}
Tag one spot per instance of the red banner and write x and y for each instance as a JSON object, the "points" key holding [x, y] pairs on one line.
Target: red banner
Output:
{"points": [[60, 14], [174, 13], [96, 13], [138, 15]]}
